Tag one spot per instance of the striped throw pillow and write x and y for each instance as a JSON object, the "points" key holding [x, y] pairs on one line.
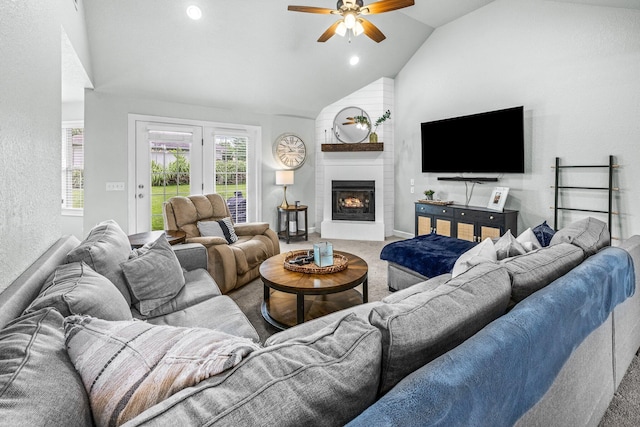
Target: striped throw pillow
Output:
{"points": [[222, 228], [129, 366]]}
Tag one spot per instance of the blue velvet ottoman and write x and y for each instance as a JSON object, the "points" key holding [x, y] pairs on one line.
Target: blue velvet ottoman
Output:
{"points": [[415, 260]]}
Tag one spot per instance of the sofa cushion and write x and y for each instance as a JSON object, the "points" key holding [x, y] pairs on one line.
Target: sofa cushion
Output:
{"points": [[220, 313], [544, 233], [483, 252], [536, 269], [198, 287], [589, 234], [153, 274], [129, 366], [38, 383], [507, 246], [104, 249], [326, 378], [423, 326], [249, 252], [424, 286], [76, 289]]}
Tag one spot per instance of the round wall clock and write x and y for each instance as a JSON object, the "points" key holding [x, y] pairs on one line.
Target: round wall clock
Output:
{"points": [[289, 151]]}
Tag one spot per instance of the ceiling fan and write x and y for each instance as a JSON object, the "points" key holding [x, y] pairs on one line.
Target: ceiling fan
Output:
{"points": [[351, 12]]}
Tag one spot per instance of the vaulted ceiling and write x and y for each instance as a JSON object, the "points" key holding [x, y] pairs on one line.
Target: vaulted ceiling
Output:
{"points": [[253, 55]]}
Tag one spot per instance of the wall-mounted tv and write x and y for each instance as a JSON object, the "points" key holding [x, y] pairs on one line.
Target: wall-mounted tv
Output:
{"points": [[491, 141]]}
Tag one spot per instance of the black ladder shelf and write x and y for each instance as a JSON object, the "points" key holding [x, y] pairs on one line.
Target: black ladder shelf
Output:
{"points": [[610, 189]]}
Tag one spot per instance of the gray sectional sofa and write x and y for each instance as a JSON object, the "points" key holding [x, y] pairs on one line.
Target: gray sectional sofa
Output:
{"points": [[542, 338]]}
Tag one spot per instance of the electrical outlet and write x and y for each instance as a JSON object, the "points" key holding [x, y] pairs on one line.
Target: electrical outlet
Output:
{"points": [[413, 190], [115, 186], [413, 181]]}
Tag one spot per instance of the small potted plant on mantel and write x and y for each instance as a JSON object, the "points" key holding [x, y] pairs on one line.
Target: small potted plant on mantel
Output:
{"points": [[373, 136], [429, 194]]}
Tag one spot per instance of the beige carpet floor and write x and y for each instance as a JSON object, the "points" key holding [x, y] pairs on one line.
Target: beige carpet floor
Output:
{"points": [[624, 410]]}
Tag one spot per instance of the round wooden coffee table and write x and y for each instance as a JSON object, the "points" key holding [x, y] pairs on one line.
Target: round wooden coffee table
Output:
{"points": [[290, 298]]}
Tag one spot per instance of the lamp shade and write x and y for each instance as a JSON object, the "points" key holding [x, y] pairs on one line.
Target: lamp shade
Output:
{"points": [[284, 177]]}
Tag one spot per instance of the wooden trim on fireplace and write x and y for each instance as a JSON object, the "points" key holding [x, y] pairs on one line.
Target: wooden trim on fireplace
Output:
{"points": [[364, 146]]}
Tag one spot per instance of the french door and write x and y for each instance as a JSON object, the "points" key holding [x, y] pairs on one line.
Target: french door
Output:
{"points": [[181, 159], [168, 163]]}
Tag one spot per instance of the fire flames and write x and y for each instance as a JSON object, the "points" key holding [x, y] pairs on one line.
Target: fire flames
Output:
{"points": [[353, 202]]}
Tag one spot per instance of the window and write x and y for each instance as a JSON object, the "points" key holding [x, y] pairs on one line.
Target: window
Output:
{"points": [[170, 169], [231, 174], [73, 168]]}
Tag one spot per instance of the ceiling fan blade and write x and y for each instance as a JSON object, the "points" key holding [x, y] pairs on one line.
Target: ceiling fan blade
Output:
{"points": [[372, 31], [330, 32], [385, 6], [311, 9]]}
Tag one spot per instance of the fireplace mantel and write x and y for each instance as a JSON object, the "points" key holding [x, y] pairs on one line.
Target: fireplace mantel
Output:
{"points": [[364, 146]]}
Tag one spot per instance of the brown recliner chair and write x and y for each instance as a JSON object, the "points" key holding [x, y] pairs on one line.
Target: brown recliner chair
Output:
{"points": [[230, 265]]}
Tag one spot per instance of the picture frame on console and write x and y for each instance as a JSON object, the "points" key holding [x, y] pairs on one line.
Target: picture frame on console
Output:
{"points": [[498, 198]]}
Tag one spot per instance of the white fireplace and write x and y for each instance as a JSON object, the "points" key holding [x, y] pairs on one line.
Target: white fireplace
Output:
{"points": [[365, 166]]}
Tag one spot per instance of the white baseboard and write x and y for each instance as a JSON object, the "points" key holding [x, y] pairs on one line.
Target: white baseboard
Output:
{"points": [[403, 234]]}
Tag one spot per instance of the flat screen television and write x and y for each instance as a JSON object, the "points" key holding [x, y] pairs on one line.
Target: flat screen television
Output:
{"points": [[492, 141]]}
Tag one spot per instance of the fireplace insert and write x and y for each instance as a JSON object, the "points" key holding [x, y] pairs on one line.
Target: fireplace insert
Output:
{"points": [[353, 200]]}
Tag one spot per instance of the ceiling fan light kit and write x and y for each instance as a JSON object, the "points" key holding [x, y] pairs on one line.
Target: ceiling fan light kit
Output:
{"points": [[351, 12]]}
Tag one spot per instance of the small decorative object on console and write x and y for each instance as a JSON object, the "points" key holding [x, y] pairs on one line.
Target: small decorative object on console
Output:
{"points": [[429, 194], [498, 198]]}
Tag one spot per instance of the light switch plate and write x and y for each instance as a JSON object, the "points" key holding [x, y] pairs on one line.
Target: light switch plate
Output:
{"points": [[115, 186]]}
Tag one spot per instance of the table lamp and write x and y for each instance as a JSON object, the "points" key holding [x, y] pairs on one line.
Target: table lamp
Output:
{"points": [[284, 178]]}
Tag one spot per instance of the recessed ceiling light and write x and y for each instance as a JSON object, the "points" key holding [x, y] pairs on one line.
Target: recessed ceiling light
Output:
{"points": [[194, 12], [354, 60]]}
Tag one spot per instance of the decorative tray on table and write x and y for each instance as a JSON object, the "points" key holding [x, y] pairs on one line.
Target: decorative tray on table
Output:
{"points": [[340, 262]]}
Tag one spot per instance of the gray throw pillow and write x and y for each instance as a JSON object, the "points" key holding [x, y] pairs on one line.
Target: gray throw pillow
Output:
{"points": [[76, 289], [154, 275], [589, 234], [104, 249], [39, 385]]}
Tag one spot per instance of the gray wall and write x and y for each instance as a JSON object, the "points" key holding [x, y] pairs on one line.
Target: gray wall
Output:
{"points": [[106, 152], [574, 68]]}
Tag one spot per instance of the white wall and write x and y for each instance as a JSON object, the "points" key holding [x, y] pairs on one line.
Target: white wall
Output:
{"points": [[106, 155], [574, 68], [30, 114]]}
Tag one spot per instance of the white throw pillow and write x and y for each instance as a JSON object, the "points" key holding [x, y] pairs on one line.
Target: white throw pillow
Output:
{"points": [[507, 246], [482, 252], [528, 240]]}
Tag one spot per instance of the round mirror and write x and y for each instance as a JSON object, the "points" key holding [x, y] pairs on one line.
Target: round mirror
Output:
{"points": [[352, 124]]}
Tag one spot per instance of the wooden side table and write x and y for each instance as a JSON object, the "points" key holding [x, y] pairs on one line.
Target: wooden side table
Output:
{"points": [[174, 237], [290, 213]]}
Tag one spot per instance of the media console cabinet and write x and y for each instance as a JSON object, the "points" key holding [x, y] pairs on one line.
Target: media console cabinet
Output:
{"points": [[471, 223]]}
